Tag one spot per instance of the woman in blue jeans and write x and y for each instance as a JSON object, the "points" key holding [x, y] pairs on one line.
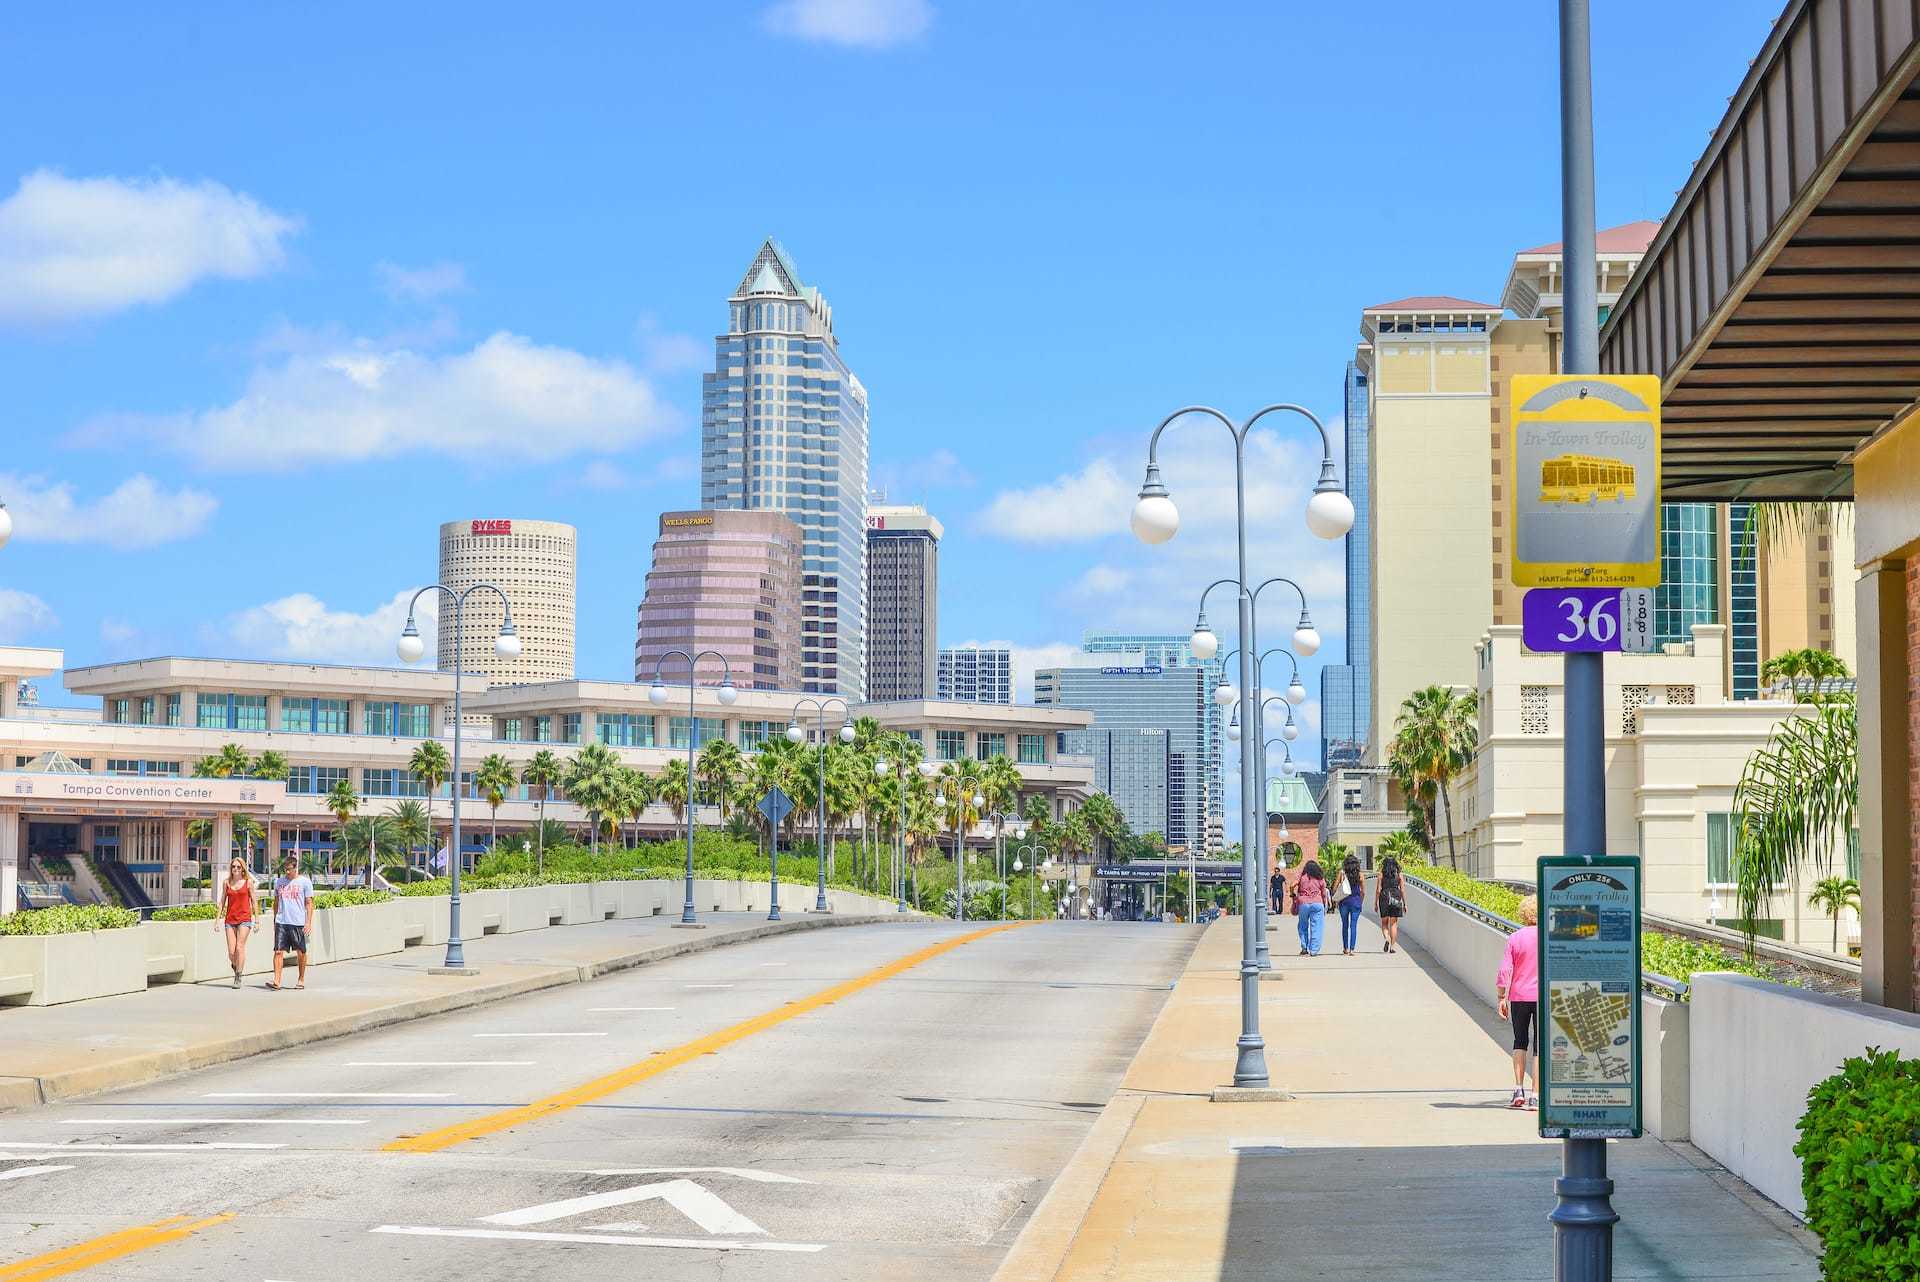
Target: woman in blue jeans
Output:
{"points": [[1310, 906], [1352, 892]]}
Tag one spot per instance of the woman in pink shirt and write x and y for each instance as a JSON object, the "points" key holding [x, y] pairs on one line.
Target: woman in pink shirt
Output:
{"points": [[1519, 989]]}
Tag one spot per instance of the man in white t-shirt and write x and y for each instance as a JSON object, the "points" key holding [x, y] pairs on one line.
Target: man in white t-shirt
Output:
{"points": [[292, 915]]}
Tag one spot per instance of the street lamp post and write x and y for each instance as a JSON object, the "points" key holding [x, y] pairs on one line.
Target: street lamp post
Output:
{"points": [[953, 787], [658, 696], [1020, 854], [797, 735], [410, 648], [899, 771], [1155, 519]]}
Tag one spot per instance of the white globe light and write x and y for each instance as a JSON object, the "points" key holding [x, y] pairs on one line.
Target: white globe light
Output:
{"points": [[880, 768], [795, 734], [1329, 514], [846, 734], [507, 645], [1290, 732], [1205, 643], [1017, 865], [1305, 641], [928, 770], [1156, 519], [411, 647], [979, 800], [728, 694], [1296, 694], [1288, 768], [658, 693], [1224, 693], [1233, 731]]}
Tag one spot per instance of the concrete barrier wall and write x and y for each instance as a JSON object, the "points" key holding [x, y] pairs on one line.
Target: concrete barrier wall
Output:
{"points": [[1471, 951], [1758, 1048], [45, 970]]}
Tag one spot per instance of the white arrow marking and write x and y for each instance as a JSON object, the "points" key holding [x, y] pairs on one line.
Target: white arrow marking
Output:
{"points": [[22, 1171], [598, 1239], [686, 1197], [759, 1177]]}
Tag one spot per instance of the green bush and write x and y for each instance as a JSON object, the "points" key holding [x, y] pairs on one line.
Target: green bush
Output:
{"points": [[349, 898], [186, 912], [1498, 900], [1678, 957], [68, 919], [1859, 1154], [57, 865]]}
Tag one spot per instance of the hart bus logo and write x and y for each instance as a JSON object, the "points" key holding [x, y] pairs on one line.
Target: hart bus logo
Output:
{"points": [[493, 527]]}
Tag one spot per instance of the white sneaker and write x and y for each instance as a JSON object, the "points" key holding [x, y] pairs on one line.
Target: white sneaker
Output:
{"points": [[1519, 1099], [1533, 1100]]}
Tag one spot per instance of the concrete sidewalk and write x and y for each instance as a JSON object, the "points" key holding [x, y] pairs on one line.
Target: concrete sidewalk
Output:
{"points": [[50, 1053], [1397, 1158]]}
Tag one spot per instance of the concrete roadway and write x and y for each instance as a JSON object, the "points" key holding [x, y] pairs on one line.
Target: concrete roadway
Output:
{"points": [[903, 1131]]}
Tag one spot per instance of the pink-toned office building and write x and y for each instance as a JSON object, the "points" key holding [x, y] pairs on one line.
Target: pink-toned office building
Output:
{"points": [[726, 581]]}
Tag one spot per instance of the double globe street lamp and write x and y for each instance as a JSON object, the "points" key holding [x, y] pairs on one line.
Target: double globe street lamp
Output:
{"points": [[899, 770], [797, 735], [411, 648], [658, 696], [954, 787], [1156, 519]]}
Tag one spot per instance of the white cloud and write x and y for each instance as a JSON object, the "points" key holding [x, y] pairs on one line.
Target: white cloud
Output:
{"points": [[863, 24], [1102, 582], [669, 353], [420, 284], [304, 627], [1089, 504], [138, 513], [22, 613], [506, 398], [79, 247]]}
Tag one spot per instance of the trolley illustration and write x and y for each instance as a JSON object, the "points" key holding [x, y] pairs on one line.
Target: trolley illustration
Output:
{"points": [[1584, 478]]}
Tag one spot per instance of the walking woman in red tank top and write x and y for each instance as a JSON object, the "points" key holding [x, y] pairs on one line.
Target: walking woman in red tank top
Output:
{"points": [[237, 908]]}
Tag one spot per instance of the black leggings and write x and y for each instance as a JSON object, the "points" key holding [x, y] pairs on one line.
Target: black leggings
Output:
{"points": [[1522, 1016]]}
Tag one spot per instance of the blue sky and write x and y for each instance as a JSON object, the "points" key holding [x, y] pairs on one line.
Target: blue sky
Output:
{"points": [[279, 292]]}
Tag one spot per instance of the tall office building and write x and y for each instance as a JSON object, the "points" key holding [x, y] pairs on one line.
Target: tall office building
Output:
{"points": [[729, 582], [1176, 651], [1346, 688], [533, 562], [903, 602], [975, 674], [1148, 740], [783, 427]]}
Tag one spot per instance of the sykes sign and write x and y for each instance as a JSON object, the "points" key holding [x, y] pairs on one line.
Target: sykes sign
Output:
{"points": [[492, 527]]}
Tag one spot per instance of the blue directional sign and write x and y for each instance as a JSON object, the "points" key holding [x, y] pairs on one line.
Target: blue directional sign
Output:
{"points": [[776, 805]]}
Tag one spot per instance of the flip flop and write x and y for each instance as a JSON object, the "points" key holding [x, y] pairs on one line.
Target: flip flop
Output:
{"points": [[297, 986], [275, 987]]}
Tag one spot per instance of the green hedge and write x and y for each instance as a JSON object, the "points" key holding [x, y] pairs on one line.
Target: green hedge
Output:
{"points": [[1859, 1154], [349, 898], [68, 919]]}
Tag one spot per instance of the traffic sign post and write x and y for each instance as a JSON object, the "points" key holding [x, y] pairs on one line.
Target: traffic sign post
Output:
{"points": [[1589, 1016], [776, 806], [1587, 620]]}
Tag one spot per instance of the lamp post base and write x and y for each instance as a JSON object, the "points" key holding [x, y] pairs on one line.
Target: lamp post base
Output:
{"points": [[1250, 1066], [1249, 1095], [453, 970], [688, 925]]}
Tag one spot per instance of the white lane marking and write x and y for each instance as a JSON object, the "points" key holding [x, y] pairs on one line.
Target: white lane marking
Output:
{"points": [[24, 1171], [597, 1239], [773, 963], [539, 1034], [108, 1123], [328, 1095], [696, 1203], [741, 1172], [200, 1147], [438, 1063], [709, 985], [603, 1010]]}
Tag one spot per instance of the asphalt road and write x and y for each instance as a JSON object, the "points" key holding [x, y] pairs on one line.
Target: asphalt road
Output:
{"points": [[905, 1129]]}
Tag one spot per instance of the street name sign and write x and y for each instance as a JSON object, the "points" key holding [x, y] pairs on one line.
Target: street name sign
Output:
{"points": [[1583, 460], [1559, 620], [776, 805], [1589, 1013]]}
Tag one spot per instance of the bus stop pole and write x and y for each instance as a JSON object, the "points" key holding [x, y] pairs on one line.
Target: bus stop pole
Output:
{"points": [[1583, 1216]]}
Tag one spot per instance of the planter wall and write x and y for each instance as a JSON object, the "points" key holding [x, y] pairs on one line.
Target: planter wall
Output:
{"points": [[45, 970]]}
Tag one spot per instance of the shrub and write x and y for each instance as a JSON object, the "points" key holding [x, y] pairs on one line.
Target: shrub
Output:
{"points": [[186, 912], [68, 919], [349, 898], [1498, 900], [1859, 1152], [1678, 957], [58, 865]]}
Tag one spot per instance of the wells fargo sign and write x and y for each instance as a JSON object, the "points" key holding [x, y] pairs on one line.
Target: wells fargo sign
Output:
{"points": [[670, 522]]}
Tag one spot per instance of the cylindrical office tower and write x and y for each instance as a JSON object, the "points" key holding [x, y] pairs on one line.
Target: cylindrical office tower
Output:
{"points": [[533, 563]]}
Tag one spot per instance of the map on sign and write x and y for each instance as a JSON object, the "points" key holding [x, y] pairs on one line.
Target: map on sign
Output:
{"points": [[1590, 982], [776, 805], [1585, 501]]}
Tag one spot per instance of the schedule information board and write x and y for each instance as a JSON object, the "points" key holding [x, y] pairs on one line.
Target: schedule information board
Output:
{"points": [[1589, 996]]}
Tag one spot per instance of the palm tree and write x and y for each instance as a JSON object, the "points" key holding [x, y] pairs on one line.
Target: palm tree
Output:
{"points": [[342, 801], [1402, 845], [1103, 818], [1435, 736], [591, 782], [430, 765], [268, 764], [1795, 802], [543, 772], [673, 789], [718, 767], [493, 781], [635, 795], [362, 839], [1814, 667], [412, 825], [230, 761], [1831, 895]]}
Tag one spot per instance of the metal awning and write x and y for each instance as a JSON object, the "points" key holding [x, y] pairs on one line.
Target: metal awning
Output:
{"points": [[1780, 302]]}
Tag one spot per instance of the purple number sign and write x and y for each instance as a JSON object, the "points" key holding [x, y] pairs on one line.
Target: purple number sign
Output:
{"points": [[1556, 620]]}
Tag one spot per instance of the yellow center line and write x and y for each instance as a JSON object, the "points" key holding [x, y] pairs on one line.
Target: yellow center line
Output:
{"points": [[72, 1259], [654, 1065]]}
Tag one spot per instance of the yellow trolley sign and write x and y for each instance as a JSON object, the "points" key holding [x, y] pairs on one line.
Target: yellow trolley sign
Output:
{"points": [[1584, 458]]}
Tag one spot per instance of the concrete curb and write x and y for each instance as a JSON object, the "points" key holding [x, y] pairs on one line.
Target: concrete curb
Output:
{"points": [[148, 1066]]}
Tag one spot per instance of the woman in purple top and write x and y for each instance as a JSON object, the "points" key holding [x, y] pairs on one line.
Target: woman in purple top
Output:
{"points": [[1518, 987]]}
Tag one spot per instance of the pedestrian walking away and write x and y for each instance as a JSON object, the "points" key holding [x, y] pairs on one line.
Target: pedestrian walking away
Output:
{"points": [[1277, 891], [1518, 987], [237, 909], [1353, 902], [292, 916], [1310, 900], [1390, 901]]}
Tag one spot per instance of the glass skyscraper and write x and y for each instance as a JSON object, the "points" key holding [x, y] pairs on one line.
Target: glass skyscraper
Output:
{"points": [[1689, 590], [1148, 740], [1166, 650], [1346, 689], [1743, 614], [783, 426]]}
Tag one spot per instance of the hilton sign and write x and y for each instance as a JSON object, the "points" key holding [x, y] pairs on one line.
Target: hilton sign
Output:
{"points": [[493, 527]]}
